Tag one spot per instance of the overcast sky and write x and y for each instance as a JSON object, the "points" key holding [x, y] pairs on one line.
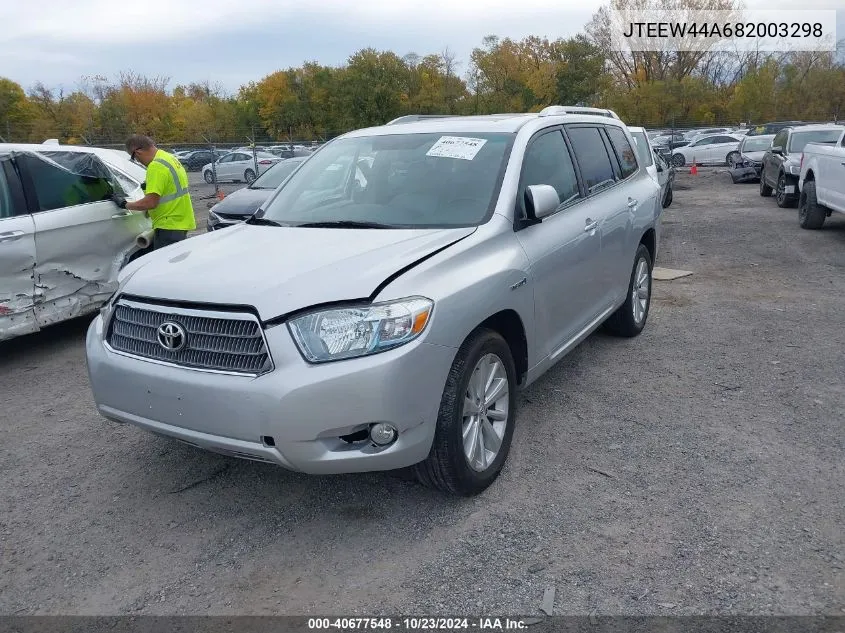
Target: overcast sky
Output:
{"points": [[235, 41]]}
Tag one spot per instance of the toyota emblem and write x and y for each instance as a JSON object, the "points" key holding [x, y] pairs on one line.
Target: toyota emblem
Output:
{"points": [[172, 336]]}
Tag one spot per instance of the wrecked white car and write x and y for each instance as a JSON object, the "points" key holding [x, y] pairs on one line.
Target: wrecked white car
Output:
{"points": [[62, 239]]}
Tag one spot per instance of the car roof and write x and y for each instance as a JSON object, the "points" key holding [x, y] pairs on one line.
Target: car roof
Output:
{"points": [[506, 123], [816, 127]]}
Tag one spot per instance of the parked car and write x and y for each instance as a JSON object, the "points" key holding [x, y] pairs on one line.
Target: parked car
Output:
{"points": [[821, 181], [749, 163], [660, 171], [239, 166], [782, 161], [719, 149], [290, 151], [240, 204], [692, 135], [197, 159], [62, 239], [773, 127], [390, 325]]}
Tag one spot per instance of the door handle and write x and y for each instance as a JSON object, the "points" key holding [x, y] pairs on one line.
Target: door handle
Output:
{"points": [[591, 226], [125, 214], [10, 236], [632, 204]]}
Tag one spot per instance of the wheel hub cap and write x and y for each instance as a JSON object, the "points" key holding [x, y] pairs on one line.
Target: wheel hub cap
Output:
{"points": [[485, 412]]}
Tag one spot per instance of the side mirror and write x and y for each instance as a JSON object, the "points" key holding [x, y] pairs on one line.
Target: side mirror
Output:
{"points": [[659, 168], [777, 150], [541, 201]]}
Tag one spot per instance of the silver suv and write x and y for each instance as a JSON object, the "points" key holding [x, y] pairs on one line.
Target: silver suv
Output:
{"points": [[384, 305]]}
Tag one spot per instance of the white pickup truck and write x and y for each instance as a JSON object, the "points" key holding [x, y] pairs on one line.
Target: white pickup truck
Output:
{"points": [[821, 182]]}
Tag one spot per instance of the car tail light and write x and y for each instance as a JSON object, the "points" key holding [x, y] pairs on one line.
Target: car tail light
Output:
{"points": [[265, 162]]}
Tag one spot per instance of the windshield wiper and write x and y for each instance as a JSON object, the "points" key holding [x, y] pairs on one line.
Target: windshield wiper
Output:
{"points": [[344, 224], [261, 221]]}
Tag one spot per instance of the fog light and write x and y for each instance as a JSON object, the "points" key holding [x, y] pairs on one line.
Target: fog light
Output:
{"points": [[382, 434]]}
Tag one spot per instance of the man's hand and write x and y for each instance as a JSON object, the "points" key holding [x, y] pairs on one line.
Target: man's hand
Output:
{"points": [[119, 201]]}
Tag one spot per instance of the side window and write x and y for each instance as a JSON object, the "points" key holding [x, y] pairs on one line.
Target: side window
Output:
{"points": [[56, 187], [624, 151], [547, 162], [227, 158], [591, 154], [725, 139], [6, 207]]}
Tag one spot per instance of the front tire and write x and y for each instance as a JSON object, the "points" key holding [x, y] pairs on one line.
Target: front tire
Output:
{"points": [[629, 320], [810, 215], [476, 418]]}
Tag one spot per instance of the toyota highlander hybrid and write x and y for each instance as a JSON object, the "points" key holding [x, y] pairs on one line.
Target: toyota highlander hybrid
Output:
{"points": [[384, 305]]}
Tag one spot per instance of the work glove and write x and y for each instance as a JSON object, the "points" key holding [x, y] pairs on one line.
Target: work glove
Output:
{"points": [[119, 201]]}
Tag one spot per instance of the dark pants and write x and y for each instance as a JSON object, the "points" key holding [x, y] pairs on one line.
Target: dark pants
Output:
{"points": [[166, 237]]}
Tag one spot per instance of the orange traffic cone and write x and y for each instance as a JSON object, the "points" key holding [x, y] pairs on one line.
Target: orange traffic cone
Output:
{"points": [[694, 169], [220, 195]]}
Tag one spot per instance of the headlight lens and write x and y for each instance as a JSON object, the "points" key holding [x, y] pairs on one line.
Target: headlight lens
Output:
{"points": [[355, 331], [794, 169]]}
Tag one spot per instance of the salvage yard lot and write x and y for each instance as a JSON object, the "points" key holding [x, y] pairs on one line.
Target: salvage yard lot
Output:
{"points": [[695, 469]]}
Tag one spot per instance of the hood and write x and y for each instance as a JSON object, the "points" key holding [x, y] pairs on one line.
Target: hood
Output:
{"points": [[242, 202], [755, 156], [278, 269]]}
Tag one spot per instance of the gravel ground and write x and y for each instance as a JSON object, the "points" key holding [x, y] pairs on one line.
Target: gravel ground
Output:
{"points": [[696, 469]]}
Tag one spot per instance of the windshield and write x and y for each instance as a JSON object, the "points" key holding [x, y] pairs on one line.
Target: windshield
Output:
{"points": [[642, 148], [757, 143], [800, 139], [398, 180], [276, 175]]}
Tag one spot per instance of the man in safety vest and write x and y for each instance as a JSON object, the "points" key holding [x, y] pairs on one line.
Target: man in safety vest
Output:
{"points": [[167, 199]]}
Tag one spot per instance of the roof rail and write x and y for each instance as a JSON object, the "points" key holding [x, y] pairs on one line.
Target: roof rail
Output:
{"points": [[410, 118], [556, 110]]}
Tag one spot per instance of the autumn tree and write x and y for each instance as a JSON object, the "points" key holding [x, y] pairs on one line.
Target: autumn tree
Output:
{"points": [[15, 112]]}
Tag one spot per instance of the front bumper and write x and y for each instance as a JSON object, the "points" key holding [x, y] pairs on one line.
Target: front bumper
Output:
{"points": [[304, 408]]}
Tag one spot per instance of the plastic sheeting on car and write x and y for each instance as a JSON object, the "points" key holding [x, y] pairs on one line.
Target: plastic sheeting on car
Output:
{"points": [[63, 179]]}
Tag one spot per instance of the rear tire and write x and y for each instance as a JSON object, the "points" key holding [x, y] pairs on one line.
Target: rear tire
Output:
{"points": [[630, 319], [678, 160], [811, 216], [765, 190], [208, 177], [731, 158], [783, 199], [667, 200], [249, 176], [447, 466]]}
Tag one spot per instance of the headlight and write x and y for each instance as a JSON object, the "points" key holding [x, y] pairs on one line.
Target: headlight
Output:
{"points": [[213, 218], [340, 333], [794, 169]]}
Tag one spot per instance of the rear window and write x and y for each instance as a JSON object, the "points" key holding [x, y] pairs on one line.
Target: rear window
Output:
{"points": [[642, 148], [624, 151], [800, 139], [592, 157]]}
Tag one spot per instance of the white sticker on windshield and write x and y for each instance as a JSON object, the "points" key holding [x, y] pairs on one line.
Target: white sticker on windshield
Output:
{"points": [[456, 147]]}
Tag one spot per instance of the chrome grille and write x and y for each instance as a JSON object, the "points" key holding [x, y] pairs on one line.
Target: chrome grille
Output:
{"points": [[214, 341]]}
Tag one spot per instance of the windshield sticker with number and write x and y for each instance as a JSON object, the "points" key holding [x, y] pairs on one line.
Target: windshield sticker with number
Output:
{"points": [[456, 147]]}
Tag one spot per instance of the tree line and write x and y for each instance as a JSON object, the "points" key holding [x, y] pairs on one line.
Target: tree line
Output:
{"points": [[314, 101]]}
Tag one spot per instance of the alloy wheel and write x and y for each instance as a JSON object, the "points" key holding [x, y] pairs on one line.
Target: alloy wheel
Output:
{"points": [[640, 291], [485, 412]]}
